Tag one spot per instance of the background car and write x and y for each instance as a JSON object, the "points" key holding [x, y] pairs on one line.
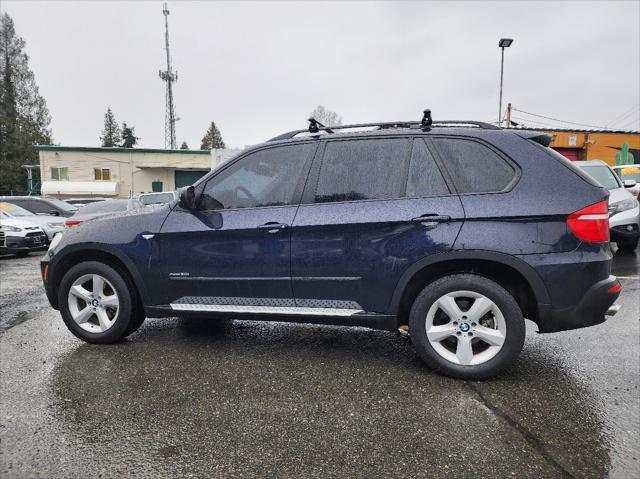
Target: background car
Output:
{"points": [[49, 224], [20, 236], [102, 208], [79, 202], [630, 176], [624, 212], [158, 198], [41, 205]]}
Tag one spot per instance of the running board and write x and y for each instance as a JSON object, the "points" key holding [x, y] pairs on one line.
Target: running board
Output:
{"points": [[273, 310]]}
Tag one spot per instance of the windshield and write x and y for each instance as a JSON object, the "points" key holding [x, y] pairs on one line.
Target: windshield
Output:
{"points": [[63, 205], [629, 173], [107, 206], [15, 210], [603, 175], [154, 199]]}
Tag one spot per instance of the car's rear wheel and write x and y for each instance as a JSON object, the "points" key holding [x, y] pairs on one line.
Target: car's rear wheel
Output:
{"points": [[97, 303], [466, 326]]}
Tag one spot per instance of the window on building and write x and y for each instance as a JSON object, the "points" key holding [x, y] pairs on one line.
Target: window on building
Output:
{"points": [[102, 173], [474, 167], [265, 178], [362, 170], [425, 178], [59, 173]]}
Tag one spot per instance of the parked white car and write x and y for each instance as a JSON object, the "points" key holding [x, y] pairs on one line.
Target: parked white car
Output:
{"points": [[630, 176], [158, 198], [50, 224], [624, 210], [20, 236]]}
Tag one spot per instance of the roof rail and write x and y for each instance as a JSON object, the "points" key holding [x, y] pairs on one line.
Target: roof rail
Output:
{"points": [[315, 127]]}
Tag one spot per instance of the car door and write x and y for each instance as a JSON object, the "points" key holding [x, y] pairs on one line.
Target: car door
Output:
{"points": [[233, 252], [372, 208]]}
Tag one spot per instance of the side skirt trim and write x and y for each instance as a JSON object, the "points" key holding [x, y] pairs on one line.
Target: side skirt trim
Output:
{"points": [[293, 310]]}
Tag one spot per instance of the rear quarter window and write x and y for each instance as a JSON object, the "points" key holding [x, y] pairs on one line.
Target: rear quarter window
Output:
{"points": [[473, 166]]}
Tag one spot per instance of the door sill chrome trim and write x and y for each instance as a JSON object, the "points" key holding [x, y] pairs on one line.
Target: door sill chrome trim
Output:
{"points": [[233, 308]]}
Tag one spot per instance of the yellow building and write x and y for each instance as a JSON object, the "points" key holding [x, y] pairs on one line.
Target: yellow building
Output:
{"points": [[612, 147]]}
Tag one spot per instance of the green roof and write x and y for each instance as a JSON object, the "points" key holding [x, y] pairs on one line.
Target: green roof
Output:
{"points": [[99, 149]]}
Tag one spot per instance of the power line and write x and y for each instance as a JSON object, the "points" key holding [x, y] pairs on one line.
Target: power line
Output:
{"points": [[635, 122], [558, 120], [625, 114]]}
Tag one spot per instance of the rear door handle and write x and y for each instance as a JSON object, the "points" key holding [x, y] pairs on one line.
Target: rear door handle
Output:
{"points": [[273, 227], [431, 218]]}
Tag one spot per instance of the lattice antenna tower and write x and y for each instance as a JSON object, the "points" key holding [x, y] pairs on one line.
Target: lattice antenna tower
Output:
{"points": [[169, 77]]}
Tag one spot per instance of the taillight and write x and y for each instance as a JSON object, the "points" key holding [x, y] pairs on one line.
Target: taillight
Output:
{"points": [[70, 223], [591, 224]]}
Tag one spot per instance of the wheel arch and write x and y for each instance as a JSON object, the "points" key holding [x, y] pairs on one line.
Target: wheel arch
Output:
{"points": [[510, 272], [102, 254]]}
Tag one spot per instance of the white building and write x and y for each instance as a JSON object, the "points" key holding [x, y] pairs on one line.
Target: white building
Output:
{"points": [[67, 171]]}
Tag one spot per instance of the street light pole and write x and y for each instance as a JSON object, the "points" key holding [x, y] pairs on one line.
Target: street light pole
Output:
{"points": [[503, 43]]}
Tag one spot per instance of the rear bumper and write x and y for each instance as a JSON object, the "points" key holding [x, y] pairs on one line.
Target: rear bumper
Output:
{"points": [[592, 309]]}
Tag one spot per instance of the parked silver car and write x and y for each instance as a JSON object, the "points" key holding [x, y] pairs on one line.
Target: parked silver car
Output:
{"points": [[101, 208], [624, 211], [50, 224]]}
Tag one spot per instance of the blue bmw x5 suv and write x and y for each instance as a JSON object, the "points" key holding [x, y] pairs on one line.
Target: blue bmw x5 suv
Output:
{"points": [[454, 231]]}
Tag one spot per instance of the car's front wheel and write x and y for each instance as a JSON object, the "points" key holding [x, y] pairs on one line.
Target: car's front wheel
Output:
{"points": [[628, 246], [466, 326], [97, 303]]}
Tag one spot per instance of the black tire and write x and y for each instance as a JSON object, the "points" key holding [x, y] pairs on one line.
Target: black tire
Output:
{"points": [[126, 317], [627, 247], [137, 319], [515, 327]]}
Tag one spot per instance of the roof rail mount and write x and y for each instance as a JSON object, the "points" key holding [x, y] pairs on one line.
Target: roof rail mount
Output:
{"points": [[427, 121], [426, 124]]}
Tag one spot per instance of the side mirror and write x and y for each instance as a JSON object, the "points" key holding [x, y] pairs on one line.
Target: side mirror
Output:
{"points": [[188, 198], [629, 183]]}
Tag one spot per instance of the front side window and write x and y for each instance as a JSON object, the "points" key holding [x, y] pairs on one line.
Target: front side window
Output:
{"points": [[474, 167], [362, 170], [59, 173], [265, 178], [102, 173]]}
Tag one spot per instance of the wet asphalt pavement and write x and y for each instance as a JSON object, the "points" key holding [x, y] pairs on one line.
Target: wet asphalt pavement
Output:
{"points": [[247, 399]]}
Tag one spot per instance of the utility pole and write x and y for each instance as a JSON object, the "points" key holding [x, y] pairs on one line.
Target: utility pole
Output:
{"points": [[508, 115], [169, 77]]}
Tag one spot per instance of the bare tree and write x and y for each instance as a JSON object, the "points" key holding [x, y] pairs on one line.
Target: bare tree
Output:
{"points": [[326, 117]]}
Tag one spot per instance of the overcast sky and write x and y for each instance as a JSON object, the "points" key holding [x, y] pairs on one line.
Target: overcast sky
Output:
{"points": [[259, 68]]}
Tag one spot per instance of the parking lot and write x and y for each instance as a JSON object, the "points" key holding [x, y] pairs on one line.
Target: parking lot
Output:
{"points": [[247, 399]]}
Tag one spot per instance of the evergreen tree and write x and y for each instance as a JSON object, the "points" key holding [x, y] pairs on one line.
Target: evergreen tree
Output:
{"points": [[24, 117], [111, 133], [184, 146], [212, 138], [129, 138]]}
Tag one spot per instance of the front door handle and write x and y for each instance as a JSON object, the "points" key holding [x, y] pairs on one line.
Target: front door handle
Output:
{"points": [[273, 227], [431, 218]]}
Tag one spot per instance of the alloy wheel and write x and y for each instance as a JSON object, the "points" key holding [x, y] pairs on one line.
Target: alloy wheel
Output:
{"points": [[466, 328], [93, 303]]}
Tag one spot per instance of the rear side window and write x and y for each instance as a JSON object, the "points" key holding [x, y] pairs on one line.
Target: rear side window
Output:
{"points": [[362, 170], [424, 178], [474, 167]]}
